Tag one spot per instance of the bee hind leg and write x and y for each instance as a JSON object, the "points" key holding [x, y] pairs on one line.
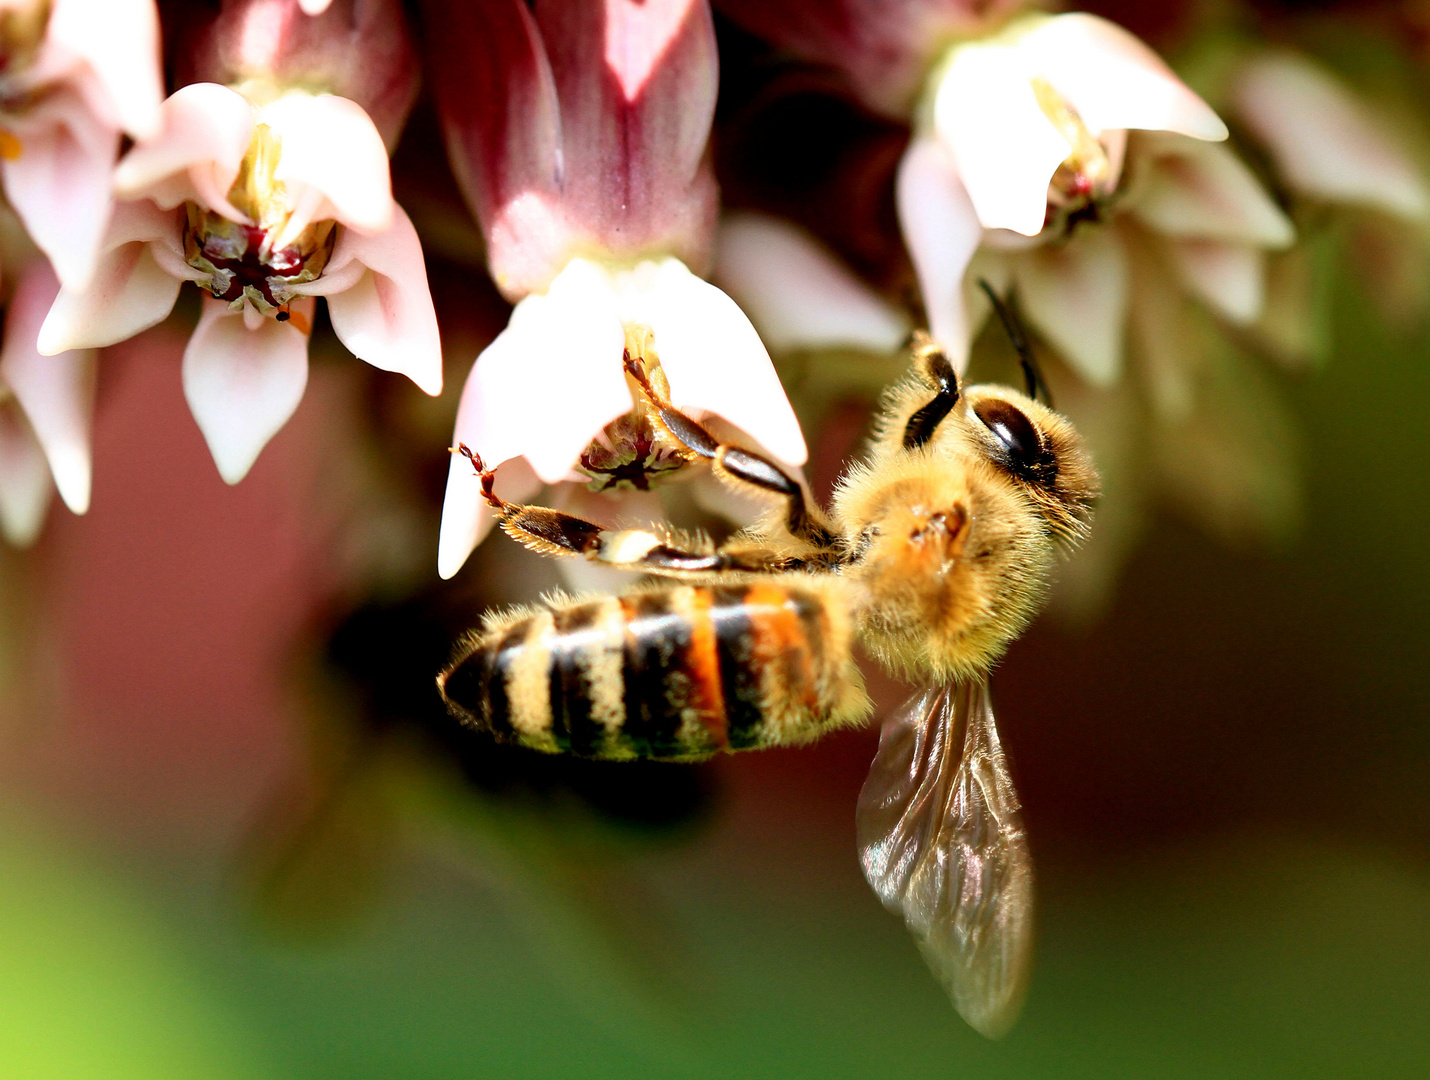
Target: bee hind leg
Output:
{"points": [[556, 533], [737, 466]]}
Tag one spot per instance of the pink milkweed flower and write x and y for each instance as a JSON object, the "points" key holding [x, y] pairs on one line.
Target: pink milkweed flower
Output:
{"points": [[1048, 148], [45, 405], [77, 76], [1191, 211], [1034, 118], [579, 133], [268, 193]]}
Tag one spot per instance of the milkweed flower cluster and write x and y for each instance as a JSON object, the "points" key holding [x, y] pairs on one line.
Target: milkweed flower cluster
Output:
{"points": [[1056, 158]]}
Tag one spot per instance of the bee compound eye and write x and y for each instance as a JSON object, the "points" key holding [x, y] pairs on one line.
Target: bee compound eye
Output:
{"points": [[1015, 431]]}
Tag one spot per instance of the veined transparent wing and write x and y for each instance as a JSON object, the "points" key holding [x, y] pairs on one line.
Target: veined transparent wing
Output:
{"points": [[942, 844]]}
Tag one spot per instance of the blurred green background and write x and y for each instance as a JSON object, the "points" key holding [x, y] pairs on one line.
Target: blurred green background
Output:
{"points": [[203, 872]]}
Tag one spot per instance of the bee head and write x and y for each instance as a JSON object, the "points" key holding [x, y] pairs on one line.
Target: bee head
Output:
{"points": [[954, 521], [1038, 450]]}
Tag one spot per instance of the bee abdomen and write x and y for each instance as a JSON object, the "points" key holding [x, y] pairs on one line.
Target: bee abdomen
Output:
{"points": [[679, 672]]}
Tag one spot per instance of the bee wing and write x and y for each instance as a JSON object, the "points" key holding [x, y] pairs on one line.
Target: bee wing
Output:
{"points": [[942, 844]]}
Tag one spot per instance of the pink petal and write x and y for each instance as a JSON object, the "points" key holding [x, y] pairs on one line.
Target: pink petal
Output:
{"points": [[1115, 81], [711, 354], [466, 518], [359, 49], [25, 486], [56, 392], [134, 287], [637, 80], [1324, 140], [60, 183], [1001, 142], [497, 101], [797, 293], [242, 385], [385, 314], [1076, 295], [1229, 277], [332, 148], [529, 240], [1202, 191], [205, 132], [119, 40], [942, 232]]}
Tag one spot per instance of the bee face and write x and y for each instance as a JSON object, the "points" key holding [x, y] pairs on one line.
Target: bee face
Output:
{"points": [[954, 538], [1038, 450]]}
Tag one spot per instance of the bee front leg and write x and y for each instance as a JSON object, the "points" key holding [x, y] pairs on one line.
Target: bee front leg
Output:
{"points": [[552, 532], [737, 466]]}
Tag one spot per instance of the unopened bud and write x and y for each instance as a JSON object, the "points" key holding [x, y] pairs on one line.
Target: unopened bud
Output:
{"points": [[357, 49]]}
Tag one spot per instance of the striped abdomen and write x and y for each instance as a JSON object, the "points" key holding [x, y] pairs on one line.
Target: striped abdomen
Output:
{"points": [[669, 672]]}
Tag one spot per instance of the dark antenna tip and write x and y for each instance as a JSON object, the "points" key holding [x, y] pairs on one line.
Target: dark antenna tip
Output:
{"points": [[1019, 340]]}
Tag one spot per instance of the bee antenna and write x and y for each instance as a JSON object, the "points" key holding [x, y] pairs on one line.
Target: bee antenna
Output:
{"points": [[1013, 327]]}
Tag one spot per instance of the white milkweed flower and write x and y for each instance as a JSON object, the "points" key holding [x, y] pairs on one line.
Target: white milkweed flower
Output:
{"points": [[268, 192], [579, 133]]}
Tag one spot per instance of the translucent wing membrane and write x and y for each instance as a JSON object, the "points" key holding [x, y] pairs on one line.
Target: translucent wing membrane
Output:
{"points": [[942, 844]]}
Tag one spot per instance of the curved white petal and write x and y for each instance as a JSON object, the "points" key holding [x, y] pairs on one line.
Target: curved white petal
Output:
{"points": [[1115, 81], [56, 392], [553, 378], [59, 185], [134, 286], [1076, 295], [797, 293], [331, 148], [314, 7], [384, 315], [119, 40], [711, 354], [466, 518], [1324, 140], [25, 485], [1001, 142], [942, 232], [1204, 191], [204, 134], [1231, 278], [242, 385]]}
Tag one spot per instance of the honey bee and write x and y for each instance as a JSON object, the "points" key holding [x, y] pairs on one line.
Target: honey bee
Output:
{"points": [[935, 554]]}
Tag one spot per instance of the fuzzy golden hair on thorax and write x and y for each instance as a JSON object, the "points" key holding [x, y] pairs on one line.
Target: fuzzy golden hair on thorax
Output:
{"points": [[954, 519]]}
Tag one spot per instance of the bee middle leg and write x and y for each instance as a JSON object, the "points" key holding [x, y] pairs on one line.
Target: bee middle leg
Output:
{"points": [[803, 519], [553, 532]]}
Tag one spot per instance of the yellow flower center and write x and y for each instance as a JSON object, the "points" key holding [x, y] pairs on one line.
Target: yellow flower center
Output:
{"points": [[245, 262]]}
